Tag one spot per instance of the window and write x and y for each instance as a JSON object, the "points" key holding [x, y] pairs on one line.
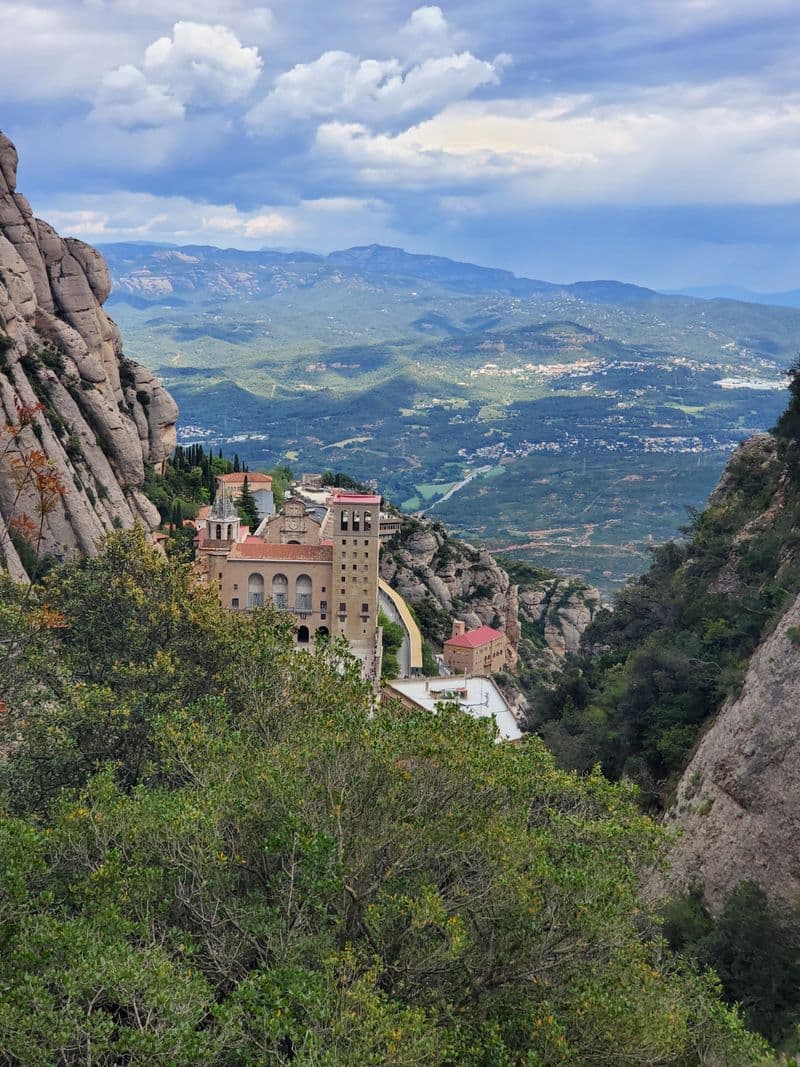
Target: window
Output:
{"points": [[323, 605], [344, 540], [324, 590], [344, 521], [255, 591], [302, 635], [235, 585], [342, 608], [280, 591], [355, 568], [365, 609], [220, 575], [367, 521], [343, 566], [219, 531], [235, 602], [366, 542], [356, 521], [302, 593]]}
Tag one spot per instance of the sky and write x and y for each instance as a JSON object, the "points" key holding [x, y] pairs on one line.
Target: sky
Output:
{"points": [[654, 141]]}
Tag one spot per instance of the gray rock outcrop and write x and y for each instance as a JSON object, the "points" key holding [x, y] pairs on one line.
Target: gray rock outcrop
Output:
{"points": [[102, 417], [426, 565], [738, 802]]}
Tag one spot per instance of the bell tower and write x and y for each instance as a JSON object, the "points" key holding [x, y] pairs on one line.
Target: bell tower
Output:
{"points": [[356, 546], [223, 521]]}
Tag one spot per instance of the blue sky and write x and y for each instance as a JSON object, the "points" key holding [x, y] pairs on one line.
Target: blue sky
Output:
{"points": [[656, 141]]}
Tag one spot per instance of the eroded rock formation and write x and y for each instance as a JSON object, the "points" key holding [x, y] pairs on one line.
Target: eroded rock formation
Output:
{"points": [[104, 416], [738, 802], [430, 568]]}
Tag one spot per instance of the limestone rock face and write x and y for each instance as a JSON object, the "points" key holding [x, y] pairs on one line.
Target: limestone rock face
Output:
{"points": [[104, 417], [427, 566], [560, 610], [462, 581], [738, 802]]}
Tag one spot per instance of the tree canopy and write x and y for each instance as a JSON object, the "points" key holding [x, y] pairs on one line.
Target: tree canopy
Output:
{"points": [[218, 850]]}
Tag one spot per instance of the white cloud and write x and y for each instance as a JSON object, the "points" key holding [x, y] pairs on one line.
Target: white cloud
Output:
{"points": [[427, 33], [729, 143], [203, 64], [127, 99], [342, 85], [48, 52], [199, 65], [315, 223]]}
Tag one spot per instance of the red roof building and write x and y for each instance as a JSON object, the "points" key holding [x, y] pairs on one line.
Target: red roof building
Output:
{"points": [[482, 651]]}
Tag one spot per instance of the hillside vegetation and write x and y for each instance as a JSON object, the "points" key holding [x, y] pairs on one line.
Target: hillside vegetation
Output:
{"points": [[654, 671], [216, 850]]}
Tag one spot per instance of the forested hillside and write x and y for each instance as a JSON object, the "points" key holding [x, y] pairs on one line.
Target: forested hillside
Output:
{"points": [[654, 671], [216, 851]]}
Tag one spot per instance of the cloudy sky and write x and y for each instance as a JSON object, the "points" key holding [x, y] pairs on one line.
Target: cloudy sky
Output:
{"points": [[655, 141]]}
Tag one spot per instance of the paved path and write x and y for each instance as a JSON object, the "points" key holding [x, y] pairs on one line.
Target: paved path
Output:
{"points": [[409, 655]]}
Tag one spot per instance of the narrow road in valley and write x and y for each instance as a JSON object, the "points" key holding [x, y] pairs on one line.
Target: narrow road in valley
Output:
{"points": [[455, 488]]}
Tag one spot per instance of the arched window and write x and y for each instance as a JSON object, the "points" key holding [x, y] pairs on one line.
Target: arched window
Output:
{"points": [[367, 521], [302, 635], [356, 522], [219, 531], [323, 633], [280, 591], [302, 593], [255, 591], [345, 520], [230, 531]]}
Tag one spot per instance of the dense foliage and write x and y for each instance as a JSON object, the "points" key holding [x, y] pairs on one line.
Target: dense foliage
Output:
{"points": [[217, 850], [656, 668], [754, 950]]}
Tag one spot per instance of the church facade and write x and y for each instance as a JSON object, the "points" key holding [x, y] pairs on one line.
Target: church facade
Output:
{"points": [[317, 563]]}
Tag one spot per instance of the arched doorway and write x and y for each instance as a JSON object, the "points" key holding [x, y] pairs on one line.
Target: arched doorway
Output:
{"points": [[255, 591], [280, 591], [302, 635], [323, 633]]}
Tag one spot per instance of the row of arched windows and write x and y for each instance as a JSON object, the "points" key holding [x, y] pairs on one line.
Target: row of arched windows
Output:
{"points": [[280, 591], [356, 518]]}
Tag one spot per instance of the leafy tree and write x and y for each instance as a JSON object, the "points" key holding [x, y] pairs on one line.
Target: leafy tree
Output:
{"points": [[223, 852]]}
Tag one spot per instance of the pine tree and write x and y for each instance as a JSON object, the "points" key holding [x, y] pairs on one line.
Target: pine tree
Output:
{"points": [[247, 507]]}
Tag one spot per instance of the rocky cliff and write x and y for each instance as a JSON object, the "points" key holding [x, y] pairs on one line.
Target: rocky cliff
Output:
{"points": [[542, 615], [103, 417], [738, 802]]}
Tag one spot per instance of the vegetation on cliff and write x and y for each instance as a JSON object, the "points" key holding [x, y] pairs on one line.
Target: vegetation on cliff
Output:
{"points": [[216, 850], [655, 670]]}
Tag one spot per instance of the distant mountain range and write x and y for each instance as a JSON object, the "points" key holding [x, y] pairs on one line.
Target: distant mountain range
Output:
{"points": [[184, 266], [789, 299]]}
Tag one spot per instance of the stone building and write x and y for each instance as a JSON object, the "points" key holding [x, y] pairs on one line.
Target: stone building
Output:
{"points": [[320, 564], [482, 651]]}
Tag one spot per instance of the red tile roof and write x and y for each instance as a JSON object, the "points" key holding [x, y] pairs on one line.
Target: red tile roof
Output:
{"points": [[253, 478], [255, 548], [475, 638]]}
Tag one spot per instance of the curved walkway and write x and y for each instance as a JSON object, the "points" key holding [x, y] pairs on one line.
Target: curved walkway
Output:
{"points": [[408, 622]]}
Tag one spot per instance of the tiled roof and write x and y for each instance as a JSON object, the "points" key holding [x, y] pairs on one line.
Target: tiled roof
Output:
{"points": [[255, 548], [474, 638]]}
